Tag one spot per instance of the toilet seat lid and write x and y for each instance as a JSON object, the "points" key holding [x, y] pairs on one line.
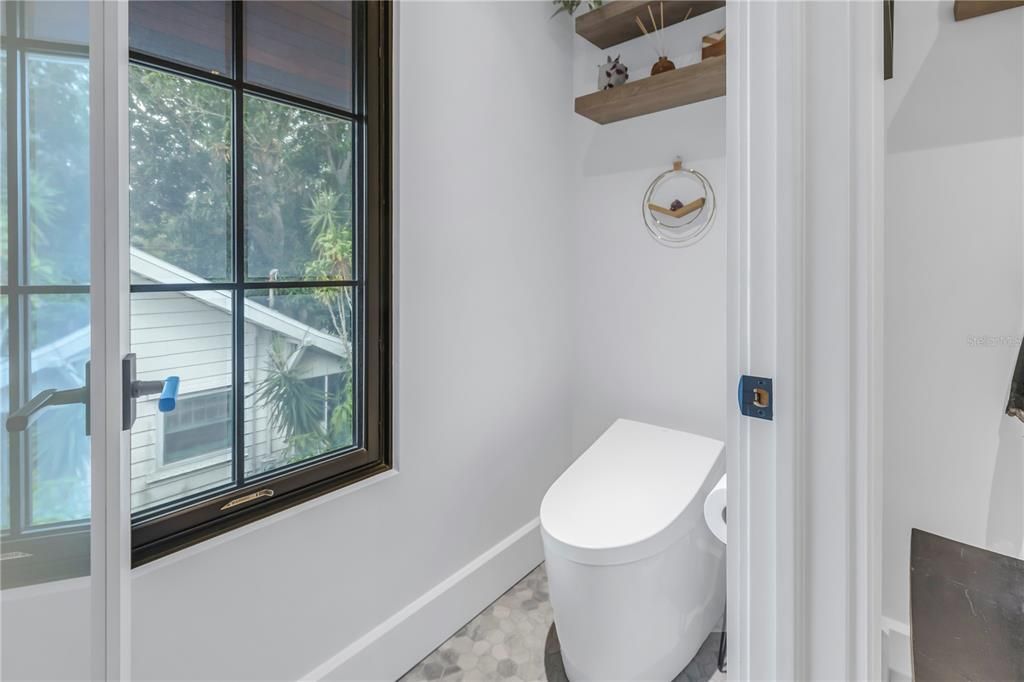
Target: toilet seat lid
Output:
{"points": [[617, 502]]}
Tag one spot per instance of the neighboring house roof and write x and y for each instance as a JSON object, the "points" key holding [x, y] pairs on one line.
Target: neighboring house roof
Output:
{"points": [[157, 270], [69, 350]]}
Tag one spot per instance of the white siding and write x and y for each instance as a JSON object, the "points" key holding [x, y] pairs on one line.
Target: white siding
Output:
{"points": [[173, 333], [177, 334]]}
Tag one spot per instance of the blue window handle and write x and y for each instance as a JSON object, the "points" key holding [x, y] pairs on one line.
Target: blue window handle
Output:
{"points": [[133, 389], [169, 396], [168, 390]]}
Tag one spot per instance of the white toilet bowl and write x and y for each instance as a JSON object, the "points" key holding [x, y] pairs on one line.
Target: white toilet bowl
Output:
{"points": [[637, 581]]}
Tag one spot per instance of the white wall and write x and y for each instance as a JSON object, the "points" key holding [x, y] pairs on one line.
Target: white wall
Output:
{"points": [[954, 252], [649, 324]]}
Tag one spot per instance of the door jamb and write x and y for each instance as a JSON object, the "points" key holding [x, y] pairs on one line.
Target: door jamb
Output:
{"points": [[110, 555], [782, 243]]}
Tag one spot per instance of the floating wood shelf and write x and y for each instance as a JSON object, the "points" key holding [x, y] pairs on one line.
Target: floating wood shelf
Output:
{"points": [[685, 85], [614, 22], [964, 9]]}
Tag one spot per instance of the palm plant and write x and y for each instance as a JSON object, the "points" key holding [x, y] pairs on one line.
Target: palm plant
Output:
{"points": [[332, 257], [570, 6], [296, 409]]}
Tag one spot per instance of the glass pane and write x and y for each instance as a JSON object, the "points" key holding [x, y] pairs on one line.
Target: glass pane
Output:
{"points": [[3, 167], [62, 22], [180, 175], [178, 454], [5, 409], [301, 48], [293, 336], [298, 193], [193, 33], [58, 449], [58, 169]]}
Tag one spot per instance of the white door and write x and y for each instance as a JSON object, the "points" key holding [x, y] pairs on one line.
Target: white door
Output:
{"points": [[64, 519]]}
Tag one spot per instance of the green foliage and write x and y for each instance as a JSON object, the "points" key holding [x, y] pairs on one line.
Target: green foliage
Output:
{"points": [[332, 259], [332, 239], [180, 171], [180, 177], [294, 158], [296, 409], [570, 6]]}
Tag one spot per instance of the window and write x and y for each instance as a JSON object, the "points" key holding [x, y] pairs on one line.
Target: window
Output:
{"points": [[258, 194], [199, 426]]}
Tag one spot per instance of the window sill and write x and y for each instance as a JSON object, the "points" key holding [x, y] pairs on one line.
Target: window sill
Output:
{"points": [[143, 565], [168, 472]]}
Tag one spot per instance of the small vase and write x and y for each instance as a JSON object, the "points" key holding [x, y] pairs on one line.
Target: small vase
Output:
{"points": [[662, 65]]}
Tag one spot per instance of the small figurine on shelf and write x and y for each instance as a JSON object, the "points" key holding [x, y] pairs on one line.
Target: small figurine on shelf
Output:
{"points": [[611, 73]]}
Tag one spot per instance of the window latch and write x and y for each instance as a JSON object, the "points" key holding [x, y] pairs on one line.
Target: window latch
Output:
{"points": [[132, 390], [27, 414]]}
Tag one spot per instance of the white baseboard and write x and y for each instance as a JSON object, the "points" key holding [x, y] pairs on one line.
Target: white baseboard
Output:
{"points": [[896, 655], [396, 645]]}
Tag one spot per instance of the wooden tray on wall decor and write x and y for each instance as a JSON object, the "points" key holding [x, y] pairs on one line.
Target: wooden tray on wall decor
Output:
{"points": [[685, 85], [614, 22]]}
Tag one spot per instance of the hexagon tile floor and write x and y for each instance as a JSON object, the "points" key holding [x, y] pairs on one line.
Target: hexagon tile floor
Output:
{"points": [[506, 642]]}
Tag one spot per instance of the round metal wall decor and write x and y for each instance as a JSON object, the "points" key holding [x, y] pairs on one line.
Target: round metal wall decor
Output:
{"points": [[678, 223]]}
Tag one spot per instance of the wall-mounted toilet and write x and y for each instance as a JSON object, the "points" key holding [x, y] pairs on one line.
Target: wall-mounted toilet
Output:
{"points": [[637, 581]]}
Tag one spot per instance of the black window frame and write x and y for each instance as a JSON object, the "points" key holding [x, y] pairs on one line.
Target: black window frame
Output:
{"points": [[163, 530]]}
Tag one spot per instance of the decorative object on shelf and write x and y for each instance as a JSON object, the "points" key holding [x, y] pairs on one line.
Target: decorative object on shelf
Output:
{"points": [[712, 45], [662, 65], [611, 73], [656, 37], [682, 223], [570, 6]]}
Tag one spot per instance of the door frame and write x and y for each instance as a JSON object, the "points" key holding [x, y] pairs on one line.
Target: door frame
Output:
{"points": [[110, 554], [805, 147]]}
